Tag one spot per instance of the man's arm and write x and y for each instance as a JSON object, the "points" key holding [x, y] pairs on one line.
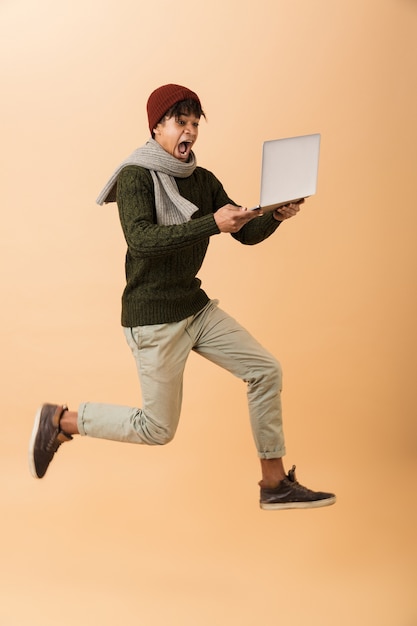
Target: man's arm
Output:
{"points": [[145, 238], [258, 230]]}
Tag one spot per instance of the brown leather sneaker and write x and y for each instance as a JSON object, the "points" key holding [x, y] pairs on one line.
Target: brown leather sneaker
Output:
{"points": [[46, 438], [291, 495]]}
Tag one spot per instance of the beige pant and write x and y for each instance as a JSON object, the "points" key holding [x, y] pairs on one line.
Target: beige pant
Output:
{"points": [[161, 352]]}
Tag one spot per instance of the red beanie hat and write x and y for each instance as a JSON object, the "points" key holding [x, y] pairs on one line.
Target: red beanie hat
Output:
{"points": [[164, 98]]}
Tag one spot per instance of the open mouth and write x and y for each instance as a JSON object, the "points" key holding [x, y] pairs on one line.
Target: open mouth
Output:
{"points": [[184, 148]]}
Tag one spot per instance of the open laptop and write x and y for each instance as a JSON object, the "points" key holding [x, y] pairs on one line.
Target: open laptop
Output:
{"points": [[289, 170]]}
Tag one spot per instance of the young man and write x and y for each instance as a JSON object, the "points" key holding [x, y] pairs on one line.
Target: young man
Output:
{"points": [[169, 208]]}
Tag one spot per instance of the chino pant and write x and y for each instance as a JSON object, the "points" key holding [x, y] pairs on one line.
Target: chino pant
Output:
{"points": [[161, 352]]}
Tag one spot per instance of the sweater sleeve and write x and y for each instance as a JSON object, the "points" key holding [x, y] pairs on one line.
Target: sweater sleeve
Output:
{"points": [[257, 230], [145, 238]]}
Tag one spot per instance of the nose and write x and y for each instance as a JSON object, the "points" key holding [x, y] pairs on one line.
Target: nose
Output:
{"points": [[190, 129]]}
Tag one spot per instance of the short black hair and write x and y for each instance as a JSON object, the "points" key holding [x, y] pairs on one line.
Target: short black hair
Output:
{"points": [[183, 107]]}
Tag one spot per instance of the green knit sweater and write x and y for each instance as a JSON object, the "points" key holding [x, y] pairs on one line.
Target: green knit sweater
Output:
{"points": [[162, 262]]}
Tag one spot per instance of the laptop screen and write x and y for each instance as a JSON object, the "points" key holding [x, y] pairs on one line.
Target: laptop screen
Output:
{"points": [[289, 169]]}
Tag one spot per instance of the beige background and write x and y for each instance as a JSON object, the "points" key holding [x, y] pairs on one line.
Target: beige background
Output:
{"points": [[118, 534]]}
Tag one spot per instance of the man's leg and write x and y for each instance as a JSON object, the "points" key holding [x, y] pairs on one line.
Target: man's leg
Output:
{"points": [[160, 352], [222, 340], [219, 338]]}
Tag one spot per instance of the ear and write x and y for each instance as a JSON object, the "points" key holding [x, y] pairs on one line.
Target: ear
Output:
{"points": [[158, 128]]}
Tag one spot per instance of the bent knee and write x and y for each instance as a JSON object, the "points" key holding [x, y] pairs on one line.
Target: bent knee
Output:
{"points": [[269, 373], [153, 431], [273, 368], [159, 436], [162, 439], [276, 373]]}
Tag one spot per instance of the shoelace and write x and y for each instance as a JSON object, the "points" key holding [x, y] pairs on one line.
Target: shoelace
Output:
{"points": [[300, 488]]}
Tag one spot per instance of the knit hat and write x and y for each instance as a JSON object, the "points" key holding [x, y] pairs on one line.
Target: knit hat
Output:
{"points": [[164, 98]]}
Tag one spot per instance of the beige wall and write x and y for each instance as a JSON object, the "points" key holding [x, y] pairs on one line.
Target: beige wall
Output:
{"points": [[125, 535]]}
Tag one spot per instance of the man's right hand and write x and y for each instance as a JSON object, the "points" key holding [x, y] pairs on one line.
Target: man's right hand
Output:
{"points": [[231, 218]]}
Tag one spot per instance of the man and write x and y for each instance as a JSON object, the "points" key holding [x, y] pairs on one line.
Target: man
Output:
{"points": [[169, 208]]}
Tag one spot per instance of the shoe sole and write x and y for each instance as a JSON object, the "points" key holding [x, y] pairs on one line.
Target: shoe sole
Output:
{"points": [[32, 466], [279, 506]]}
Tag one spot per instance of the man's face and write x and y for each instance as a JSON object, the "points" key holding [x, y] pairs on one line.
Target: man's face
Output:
{"points": [[177, 135]]}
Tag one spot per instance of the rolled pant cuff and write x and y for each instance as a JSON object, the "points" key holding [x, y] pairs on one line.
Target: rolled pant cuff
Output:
{"points": [[80, 420], [276, 454]]}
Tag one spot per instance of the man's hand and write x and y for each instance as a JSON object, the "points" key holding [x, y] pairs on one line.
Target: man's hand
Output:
{"points": [[230, 218], [287, 210]]}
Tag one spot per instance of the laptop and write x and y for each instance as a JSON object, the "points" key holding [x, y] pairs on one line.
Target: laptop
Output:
{"points": [[289, 170]]}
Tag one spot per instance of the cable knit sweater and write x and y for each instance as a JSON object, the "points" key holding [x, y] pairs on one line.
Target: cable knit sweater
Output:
{"points": [[162, 262]]}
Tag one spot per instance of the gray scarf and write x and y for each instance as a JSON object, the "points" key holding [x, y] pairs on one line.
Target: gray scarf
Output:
{"points": [[171, 207]]}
